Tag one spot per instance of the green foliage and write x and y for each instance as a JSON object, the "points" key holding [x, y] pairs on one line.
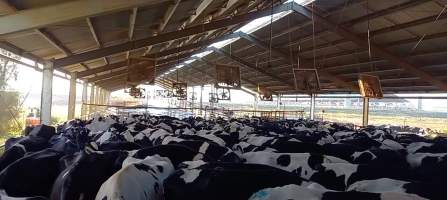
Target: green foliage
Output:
{"points": [[8, 69], [55, 120], [10, 111]]}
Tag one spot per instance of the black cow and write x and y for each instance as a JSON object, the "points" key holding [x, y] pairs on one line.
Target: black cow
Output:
{"points": [[84, 177], [199, 180], [37, 140], [32, 175]]}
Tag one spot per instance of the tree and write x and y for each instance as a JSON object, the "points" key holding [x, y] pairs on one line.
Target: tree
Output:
{"points": [[8, 69], [10, 107]]}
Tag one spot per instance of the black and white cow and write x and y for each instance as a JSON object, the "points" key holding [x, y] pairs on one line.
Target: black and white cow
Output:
{"points": [[199, 180], [296, 192], [84, 177], [176, 153], [32, 175], [138, 179], [210, 150], [37, 140], [426, 190]]}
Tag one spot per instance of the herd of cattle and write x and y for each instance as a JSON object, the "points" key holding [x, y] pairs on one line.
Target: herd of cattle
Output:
{"points": [[153, 157]]}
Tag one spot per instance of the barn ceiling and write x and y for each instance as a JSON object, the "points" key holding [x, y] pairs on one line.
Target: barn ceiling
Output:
{"points": [[406, 47]]}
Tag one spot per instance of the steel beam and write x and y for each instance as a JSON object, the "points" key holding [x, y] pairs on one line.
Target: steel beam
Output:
{"points": [[67, 11], [156, 55], [136, 44], [305, 63], [250, 66], [95, 35], [376, 48]]}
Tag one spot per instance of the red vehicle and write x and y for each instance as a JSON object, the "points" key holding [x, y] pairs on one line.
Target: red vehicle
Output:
{"points": [[33, 117]]}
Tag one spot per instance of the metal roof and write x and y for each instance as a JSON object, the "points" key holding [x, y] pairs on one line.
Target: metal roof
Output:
{"points": [[95, 38]]}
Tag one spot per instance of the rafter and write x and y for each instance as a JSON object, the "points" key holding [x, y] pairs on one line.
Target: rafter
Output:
{"points": [[57, 44], [126, 71], [136, 44], [72, 10], [250, 66], [45, 34], [381, 13], [209, 63], [305, 63], [165, 21], [132, 20], [92, 29], [364, 44], [204, 4]]}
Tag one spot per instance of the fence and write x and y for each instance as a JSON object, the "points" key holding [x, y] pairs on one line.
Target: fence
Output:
{"points": [[181, 112]]}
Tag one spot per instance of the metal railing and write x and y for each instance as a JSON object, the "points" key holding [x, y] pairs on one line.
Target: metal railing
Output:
{"points": [[181, 112]]}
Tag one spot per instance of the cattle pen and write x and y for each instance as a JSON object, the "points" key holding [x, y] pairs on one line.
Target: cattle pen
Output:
{"points": [[223, 99]]}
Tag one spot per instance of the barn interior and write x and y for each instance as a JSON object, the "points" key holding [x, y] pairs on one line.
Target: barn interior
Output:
{"points": [[145, 74]]}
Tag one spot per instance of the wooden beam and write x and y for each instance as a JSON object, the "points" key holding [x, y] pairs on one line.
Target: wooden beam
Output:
{"points": [[360, 41], [62, 12], [136, 44]]}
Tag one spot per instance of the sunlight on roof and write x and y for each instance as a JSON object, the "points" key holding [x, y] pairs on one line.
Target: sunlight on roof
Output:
{"points": [[190, 61], [251, 27], [301, 2], [179, 66], [202, 54], [223, 43], [262, 22]]}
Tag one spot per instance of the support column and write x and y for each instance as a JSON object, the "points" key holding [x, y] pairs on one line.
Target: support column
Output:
{"points": [[97, 96], [91, 109], [312, 106], [47, 93], [365, 111], [84, 100], [278, 100], [192, 100], [72, 97], [109, 93], [201, 100]]}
